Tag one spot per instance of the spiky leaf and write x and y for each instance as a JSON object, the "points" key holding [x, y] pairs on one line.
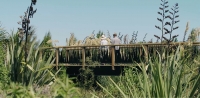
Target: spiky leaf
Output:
{"points": [[158, 27], [176, 22], [176, 16], [171, 13], [175, 28], [176, 4], [166, 11], [160, 13], [168, 23], [159, 19]]}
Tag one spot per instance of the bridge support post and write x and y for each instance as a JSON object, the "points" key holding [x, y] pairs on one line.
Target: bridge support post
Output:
{"points": [[83, 58], [113, 57], [57, 58]]}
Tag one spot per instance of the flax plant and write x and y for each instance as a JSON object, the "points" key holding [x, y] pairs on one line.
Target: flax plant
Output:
{"points": [[175, 77], [39, 71]]}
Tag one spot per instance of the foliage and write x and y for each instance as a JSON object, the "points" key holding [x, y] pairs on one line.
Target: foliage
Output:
{"points": [[3, 42], [46, 42], [72, 40], [194, 35], [170, 74], [63, 87], [4, 76], [86, 78], [134, 37], [175, 77], [2, 53], [36, 70]]}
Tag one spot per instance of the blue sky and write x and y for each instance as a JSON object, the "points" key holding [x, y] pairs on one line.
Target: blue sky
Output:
{"points": [[81, 17]]}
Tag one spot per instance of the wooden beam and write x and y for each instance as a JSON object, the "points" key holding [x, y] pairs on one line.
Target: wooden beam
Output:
{"points": [[83, 58], [67, 55], [113, 57], [127, 45], [80, 65], [57, 58]]}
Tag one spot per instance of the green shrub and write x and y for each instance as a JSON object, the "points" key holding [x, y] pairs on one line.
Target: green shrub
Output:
{"points": [[63, 87], [4, 75]]}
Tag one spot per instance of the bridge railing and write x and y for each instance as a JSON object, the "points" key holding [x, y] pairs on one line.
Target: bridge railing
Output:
{"points": [[127, 50]]}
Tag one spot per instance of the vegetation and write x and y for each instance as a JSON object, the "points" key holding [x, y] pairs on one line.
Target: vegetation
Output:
{"points": [[165, 73], [177, 76], [171, 78]]}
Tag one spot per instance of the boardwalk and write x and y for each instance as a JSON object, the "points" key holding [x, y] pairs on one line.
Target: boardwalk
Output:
{"points": [[88, 55]]}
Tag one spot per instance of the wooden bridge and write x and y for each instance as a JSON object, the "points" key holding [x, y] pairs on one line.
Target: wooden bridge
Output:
{"points": [[82, 56]]}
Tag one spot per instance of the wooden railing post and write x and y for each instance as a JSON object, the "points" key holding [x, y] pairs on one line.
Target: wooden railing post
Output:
{"points": [[67, 55], [83, 58], [57, 58], [113, 57]]}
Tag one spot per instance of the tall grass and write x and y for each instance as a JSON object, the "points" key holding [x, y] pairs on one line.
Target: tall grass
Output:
{"points": [[174, 77]]}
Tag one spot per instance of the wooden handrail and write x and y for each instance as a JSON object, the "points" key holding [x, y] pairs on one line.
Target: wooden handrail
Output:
{"points": [[127, 45]]}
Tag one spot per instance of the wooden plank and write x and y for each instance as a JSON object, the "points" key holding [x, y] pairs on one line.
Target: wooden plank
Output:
{"points": [[71, 65]]}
